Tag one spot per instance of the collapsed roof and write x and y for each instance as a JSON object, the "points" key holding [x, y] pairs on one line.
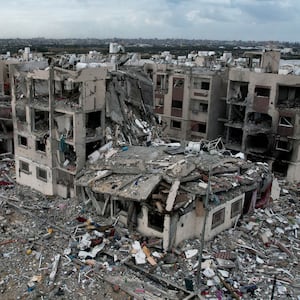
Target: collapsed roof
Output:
{"points": [[135, 173]]}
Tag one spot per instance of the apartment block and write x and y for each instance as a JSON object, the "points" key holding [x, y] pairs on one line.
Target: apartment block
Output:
{"points": [[6, 125], [263, 116], [61, 118], [58, 118], [188, 99]]}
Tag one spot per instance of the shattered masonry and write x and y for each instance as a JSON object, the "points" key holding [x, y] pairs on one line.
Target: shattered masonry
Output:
{"points": [[78, 134], [53, 247], [163, 195], [256, 106], [61, 117]]}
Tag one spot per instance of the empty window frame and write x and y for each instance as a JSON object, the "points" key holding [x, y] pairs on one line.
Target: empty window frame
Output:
{"points": [[261, 119], [203, 107], [24, 167], [93, 119], [197, 83], [41, 174], [40, 120], [285, 121], [199, 127], [156, 221], [178, 82], [176, 124], [40, 88], [283, 145], [22, 141], [40, 145], [166, 83], [177, 104], [236, 208], [262, 91], [159, 80], [201, 84], [205, 85], [288, 96], [194, 106], [238, 90], [71, 88], [218, 218], [20, 113], [159, 100], [197, 106]]}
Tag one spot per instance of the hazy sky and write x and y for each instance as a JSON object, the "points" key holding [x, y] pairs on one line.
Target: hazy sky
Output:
{"points": [[199, 19]]}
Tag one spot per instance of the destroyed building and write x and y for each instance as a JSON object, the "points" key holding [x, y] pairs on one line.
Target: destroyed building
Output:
{"points": [[188, 99], [263, 113], [77, 133], [252, 106], [4, 78], [6, 125], [6, 120], [62, 116], [162, 191]]}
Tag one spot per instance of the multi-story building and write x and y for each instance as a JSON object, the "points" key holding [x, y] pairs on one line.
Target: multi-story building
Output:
{"points": [[61, 117], [263, 113], [58, 118], [254, 106], [188, 99]]}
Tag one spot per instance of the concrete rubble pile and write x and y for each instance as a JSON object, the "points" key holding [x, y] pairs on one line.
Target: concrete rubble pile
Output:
{"points": [[160, 191], [132, 220], [129, 116], [7, 170], [48, 250], [129, 108], [257, 258], [34, 234], [52, 247]]}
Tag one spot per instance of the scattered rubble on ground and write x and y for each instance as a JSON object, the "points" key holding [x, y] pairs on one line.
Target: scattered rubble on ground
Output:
{"points": [[60, 248]]}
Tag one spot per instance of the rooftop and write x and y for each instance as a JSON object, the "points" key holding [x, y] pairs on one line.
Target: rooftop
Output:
{"points": [[134, 174]]}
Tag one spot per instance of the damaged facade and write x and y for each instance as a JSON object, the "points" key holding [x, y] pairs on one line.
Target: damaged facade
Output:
{"points": [[61, 117], [70, 127], [188, 99], [163, 194], [253, 106], [263, 113], [6, 125]]}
